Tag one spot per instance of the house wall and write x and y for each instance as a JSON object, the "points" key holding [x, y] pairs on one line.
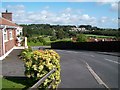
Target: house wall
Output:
{"points": [[19, 31], [1, 49], [10, 43]]}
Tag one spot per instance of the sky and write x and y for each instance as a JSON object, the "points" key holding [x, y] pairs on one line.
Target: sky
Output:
{"points": [[100, 14]]}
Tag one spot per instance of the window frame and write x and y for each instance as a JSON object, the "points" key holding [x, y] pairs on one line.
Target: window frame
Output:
{"points": [[5, 37], [10, 35]]}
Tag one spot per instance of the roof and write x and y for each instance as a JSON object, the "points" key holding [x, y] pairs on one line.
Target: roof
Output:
{"points": [[4, 21]]}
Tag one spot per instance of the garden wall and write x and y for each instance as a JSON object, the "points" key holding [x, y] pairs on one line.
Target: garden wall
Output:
{"points": [[111, 46]]}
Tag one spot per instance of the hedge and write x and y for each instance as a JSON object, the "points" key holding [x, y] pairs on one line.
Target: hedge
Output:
{"points": [[38, 63]]}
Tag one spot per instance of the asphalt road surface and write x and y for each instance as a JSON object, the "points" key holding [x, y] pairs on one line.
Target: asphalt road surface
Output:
{"points": [[76, 74]]}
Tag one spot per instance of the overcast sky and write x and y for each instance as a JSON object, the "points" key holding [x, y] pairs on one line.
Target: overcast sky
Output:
{"points": [[101, 14]]}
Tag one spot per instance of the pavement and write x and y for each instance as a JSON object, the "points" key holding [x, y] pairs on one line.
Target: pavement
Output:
{"points": [[12, 65]]}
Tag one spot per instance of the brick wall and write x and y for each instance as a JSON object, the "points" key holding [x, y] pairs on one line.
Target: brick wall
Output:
{"points": [[0, 42], [7, 15], [10, 43]]}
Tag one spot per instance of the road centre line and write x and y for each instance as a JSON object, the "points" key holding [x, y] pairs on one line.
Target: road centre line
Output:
{"points": [[98, 79], [111, 61]]}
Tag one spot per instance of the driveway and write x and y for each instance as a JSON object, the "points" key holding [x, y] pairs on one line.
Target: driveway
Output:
{"points": [[12, 65]]}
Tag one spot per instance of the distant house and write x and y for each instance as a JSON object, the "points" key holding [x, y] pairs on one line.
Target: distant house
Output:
{"points": [[8, 34], [82, 29]]}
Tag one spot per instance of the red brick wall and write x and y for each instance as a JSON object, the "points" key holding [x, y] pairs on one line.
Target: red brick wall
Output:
{"points": [[10, 43], [7, 16], [1, 52]]}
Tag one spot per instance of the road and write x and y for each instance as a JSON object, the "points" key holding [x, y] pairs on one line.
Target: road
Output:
{"points": [[75, 73], [79, 69]]}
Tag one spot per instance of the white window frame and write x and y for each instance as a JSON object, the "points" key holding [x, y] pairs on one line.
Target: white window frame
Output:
{"points": [[5, 33], [10, 35]]}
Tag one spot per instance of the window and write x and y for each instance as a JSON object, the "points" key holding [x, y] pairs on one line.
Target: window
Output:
{"points": [[5, 35], [10, 35]]}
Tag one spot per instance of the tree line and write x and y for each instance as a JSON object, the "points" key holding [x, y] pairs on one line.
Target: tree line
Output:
{"points": [[63, 31]]}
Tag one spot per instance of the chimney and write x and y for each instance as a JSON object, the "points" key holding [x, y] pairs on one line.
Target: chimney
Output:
{"points": [[7, 15]]}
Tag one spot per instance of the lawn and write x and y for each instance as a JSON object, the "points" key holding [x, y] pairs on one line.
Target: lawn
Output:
{"points": [[48, 42], [10, 84], [98, 36], [16, 83], [35, 44]]}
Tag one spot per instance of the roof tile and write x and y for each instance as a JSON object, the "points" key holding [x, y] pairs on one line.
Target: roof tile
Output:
{"points": [[4, 21]]}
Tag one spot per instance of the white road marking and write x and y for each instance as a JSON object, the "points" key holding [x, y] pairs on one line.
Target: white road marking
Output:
{"points": [[98, 79], [72, 52], [92, 55], [69, 51], [111, 61]]}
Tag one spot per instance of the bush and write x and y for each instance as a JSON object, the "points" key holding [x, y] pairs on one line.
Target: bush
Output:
{"points": [[53, 38], [39, 63], [34, 40], [81, 38], [41, 39]]}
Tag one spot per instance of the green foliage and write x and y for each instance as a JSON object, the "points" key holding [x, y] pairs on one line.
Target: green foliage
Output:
{"points": [[53, 38], [60, 34], [62, 31], [81, 38], [46, 29], [39, 63], [34, 40], [35, 44], [41, 39]]}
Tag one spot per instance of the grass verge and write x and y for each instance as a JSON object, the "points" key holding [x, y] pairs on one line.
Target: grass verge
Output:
{"points": [[21, 83]]}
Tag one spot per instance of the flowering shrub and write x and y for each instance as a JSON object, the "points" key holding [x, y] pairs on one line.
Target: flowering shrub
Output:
{"points": [[38, 63]]}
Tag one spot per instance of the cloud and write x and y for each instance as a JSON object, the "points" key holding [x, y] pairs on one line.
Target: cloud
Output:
{"points": [[114, 20], [46, 7], [16, 7], [68, 16], [68, 10], [107, 1], [103, 19], [113, 5]]}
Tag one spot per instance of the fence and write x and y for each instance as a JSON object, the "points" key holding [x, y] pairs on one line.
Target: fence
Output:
{"points": [[36, 85]]}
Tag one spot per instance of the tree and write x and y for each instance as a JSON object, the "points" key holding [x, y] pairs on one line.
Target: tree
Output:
{"points": [[41, 39], [81, 38], [34, 40], [53, 38], [60, 34]]}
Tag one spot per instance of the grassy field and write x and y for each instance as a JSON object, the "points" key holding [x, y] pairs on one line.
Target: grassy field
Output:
{"points": [[98, 36], [47, 39], [48, 42]]}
